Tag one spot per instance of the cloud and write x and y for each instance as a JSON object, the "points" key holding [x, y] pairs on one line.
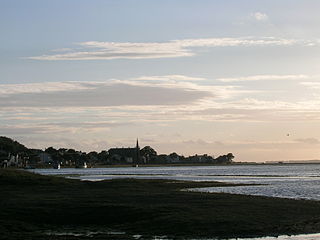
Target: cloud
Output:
{"points": [[308, 140], [166, 90], [168, 78], [264, 78], [252, 103], [94, 50], [259, 16], [45, 127], [200, 142], [8, 89], [97, 94], [21, 130], [146, 99], [312, 85]]}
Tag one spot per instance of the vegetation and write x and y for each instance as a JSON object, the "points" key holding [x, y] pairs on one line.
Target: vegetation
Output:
{"points": [[225, 158], [33, 205], [24, 157], [9, 145]]}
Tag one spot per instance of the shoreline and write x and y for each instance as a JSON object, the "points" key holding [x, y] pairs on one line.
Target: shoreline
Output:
{"points": [[183, 165], [36, 203]]}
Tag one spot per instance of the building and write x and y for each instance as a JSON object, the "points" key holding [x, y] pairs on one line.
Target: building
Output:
{"points": [[126, 155], [45, 157]]}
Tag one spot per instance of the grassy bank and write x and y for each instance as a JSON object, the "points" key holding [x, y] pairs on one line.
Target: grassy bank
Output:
{"points": [[33, 204]]}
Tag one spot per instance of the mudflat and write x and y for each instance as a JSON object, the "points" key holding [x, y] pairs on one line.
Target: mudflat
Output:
{"points": [[46, 207]]}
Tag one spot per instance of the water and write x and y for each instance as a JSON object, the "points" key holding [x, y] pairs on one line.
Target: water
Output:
{"points": [[285, 237], [138, 236], [287, 181], [301, 181]]}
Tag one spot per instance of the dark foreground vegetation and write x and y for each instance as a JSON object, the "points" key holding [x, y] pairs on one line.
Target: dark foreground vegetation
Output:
{"points": [[41, 207]]}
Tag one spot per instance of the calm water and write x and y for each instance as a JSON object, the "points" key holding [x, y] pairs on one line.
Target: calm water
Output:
{"points": [[301, 181]]}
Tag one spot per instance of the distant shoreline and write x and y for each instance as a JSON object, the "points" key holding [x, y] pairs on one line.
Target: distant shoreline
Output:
{"points": [[184, 165]]}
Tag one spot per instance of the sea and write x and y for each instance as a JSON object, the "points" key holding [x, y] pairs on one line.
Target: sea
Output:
{"points": [[294, 181]]}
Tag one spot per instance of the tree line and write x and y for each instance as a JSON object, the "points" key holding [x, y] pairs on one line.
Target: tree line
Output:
{"points": [[72, 157]]}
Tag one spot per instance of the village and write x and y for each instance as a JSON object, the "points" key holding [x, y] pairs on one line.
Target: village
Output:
{"points": [[14, 154]]}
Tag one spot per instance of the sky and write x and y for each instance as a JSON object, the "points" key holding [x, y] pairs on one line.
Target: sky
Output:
{"points": [[183, 76]]}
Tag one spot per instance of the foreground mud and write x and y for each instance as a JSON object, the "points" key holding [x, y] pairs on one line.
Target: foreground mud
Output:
{"points": [[43, 207]]}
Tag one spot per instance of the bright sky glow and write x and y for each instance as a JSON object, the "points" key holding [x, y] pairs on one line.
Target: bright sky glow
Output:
{"points": [[186, 76]]}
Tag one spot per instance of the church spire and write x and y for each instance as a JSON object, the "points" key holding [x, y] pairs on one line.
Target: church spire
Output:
{"points": [[138, 156]]}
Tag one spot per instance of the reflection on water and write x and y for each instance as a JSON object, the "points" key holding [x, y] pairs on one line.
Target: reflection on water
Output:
{"points": [[300, 181], [295, 237], [282, 237], [297, 188]]}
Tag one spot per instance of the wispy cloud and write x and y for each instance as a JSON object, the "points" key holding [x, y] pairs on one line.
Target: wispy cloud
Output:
{"points": [[8, 89], [174, 78], [313, 85], [253, 103], [265, 78], [308, 140], [95, 94], [259, 16], [166, 90], [94, 50]]}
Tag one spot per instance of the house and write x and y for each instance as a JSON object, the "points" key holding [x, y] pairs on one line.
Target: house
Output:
{"points": [[45, 157]]}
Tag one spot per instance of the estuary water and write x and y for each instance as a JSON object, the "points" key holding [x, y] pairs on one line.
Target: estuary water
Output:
{"points": [[298, 181]]}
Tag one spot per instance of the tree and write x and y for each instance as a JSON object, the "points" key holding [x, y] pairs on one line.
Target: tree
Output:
{"points": [[93, 157], [52, 151], [230, 157], [147, 150], [173, 155], [103, 156], [10, 146], [148, 153], [55, 155], [224, 158], [71, 151]]}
